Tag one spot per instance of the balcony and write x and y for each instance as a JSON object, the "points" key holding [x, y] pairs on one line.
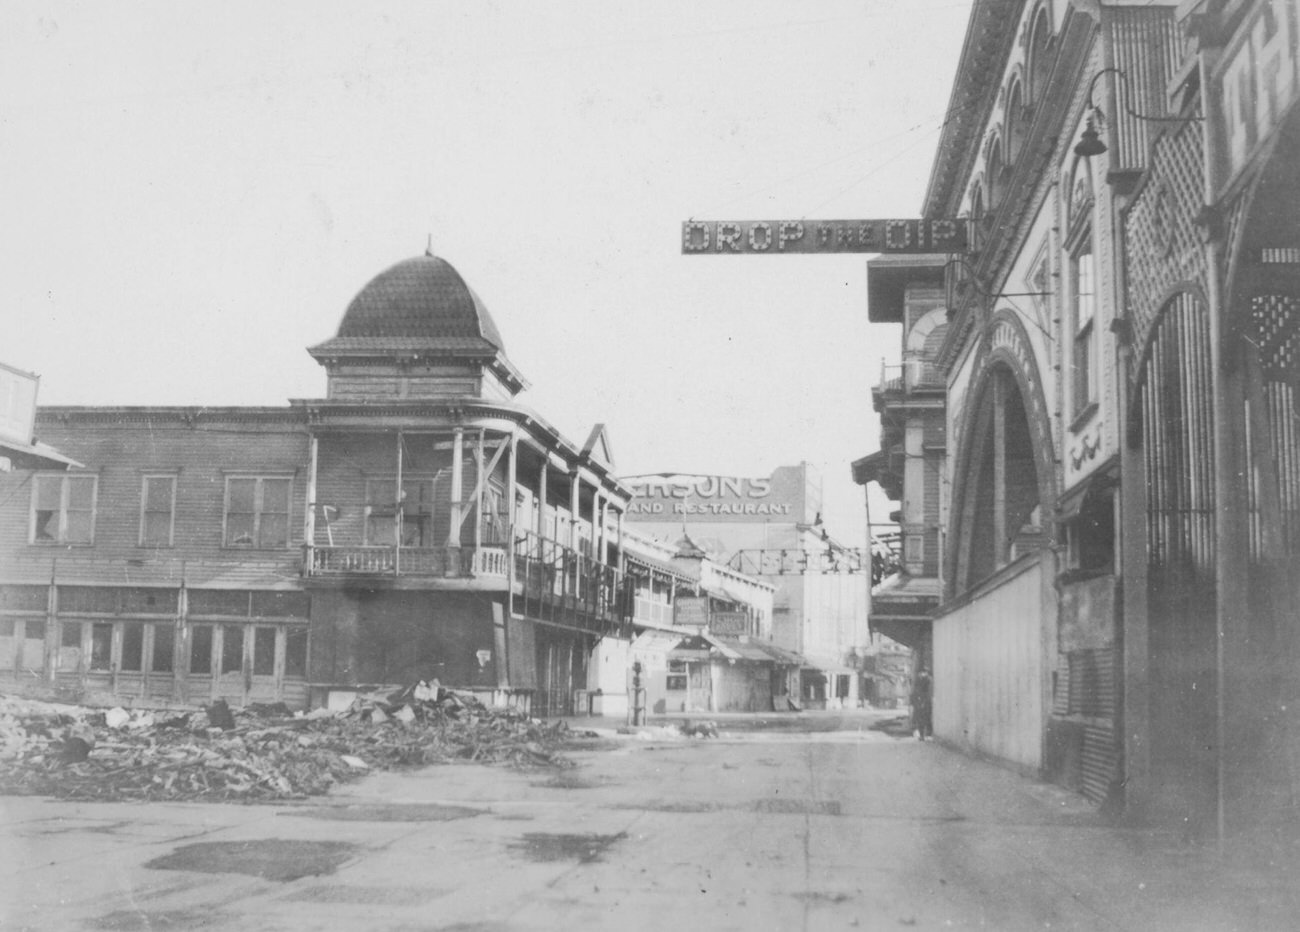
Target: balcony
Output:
{"points": [[558, 584], [428, 562], [648, 611], [908, 376]]}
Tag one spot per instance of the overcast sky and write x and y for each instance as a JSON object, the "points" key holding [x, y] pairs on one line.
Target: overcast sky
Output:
{"points": [[192, 193]]}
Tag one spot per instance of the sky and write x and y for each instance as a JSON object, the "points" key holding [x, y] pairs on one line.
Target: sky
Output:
{"points": [[192, 193]]}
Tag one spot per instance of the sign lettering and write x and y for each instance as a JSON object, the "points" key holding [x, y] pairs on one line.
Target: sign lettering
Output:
{"points": [[749, 237]]}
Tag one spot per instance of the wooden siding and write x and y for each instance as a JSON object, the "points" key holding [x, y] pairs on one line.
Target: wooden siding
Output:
{"points": [[989, 671]]}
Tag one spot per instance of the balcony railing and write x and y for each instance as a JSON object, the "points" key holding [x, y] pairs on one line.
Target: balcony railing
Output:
{"points": [[652, 611], [378, 560], [908, 376], [557, 583]]}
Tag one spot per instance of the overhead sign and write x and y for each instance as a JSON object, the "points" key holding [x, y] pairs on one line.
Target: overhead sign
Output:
{"points": [[674, 497], [729, 623], [711, 237], [17, 404], [690, 611]]}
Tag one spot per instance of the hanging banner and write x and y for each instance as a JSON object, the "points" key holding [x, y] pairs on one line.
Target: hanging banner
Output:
{"points": [[750, 237]]}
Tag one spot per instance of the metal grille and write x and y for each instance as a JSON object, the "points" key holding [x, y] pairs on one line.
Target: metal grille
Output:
{"points": [[1275, 320], [1177, 432], [1161, 231], [1147, 48]]}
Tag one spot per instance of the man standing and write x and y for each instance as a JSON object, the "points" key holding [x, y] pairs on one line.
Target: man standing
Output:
{"points": [[922, 704]]}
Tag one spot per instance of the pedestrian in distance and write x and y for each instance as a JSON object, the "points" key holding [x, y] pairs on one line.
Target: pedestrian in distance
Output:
{"points": [[922, 704]]}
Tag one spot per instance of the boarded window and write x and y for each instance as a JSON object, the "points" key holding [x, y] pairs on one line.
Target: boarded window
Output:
{"points": [[218, 602], [280, 605], [132, 647], [26, 598], [201, 649], [6, 627], [295, 652], [263, 651], [232, 649], [164, 647], [70, 634], [35, 630]]}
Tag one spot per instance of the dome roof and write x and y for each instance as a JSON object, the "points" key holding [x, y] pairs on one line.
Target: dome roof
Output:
{"points": [[418, 304]]}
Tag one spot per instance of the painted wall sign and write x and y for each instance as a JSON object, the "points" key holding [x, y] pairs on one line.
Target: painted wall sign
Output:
{"points": [[729, 623], [711, 237], [691, 610], [781, 497]]}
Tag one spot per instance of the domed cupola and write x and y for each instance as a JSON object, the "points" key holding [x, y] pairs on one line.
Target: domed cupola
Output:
{"points": [[417, 330]]}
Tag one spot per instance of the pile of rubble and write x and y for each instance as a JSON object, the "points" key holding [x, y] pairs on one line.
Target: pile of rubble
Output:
{"points": [[259, 753]]}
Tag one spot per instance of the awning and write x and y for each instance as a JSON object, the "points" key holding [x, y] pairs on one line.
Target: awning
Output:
{"points": [[33, 456], [660, 566], [653, 640]]}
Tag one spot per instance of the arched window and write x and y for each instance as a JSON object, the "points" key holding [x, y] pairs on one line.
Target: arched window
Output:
{"points": [[1017, 126], [993, 181], [1040, 60]]}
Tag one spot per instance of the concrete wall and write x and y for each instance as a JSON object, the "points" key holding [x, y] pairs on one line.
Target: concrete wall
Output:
{"points": [[989, 668]]}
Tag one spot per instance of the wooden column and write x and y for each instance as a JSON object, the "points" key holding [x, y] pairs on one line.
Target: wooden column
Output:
{"points": [[457, 486], [479, 481], [309, 513]]}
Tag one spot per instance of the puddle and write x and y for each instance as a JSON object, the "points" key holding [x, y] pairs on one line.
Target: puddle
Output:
{"points": [[569, 781], [365, 896], [684, 806], [270, 859], [797, 807], [584, 849], [393, 812], [134, 920]]}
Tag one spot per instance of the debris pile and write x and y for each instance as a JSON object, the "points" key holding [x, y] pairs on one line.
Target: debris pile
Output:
{"points": [[258, 753]]}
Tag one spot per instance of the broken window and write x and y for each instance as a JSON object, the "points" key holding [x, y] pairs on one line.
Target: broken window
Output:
{"points": [[63, 509], [101, 646], [257, 511]]}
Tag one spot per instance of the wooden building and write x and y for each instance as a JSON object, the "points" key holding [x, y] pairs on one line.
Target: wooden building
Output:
{"points": [[417, 523]]}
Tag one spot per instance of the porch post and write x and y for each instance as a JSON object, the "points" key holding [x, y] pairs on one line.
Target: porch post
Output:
{"points": [[457, 487], [309, 513], [397, 511], [479, 480]]}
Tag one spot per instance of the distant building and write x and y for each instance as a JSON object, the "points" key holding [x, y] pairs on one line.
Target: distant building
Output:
{"points": [[770, 528]]}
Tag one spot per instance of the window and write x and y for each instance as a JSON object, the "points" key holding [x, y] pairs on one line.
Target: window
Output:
{"points": [[164, 646], [677, 673], [101, 646], [257, 511], [417, 511], [157, 507], [232, 649], [1083, 305], [295, 652], [263, 651], [63, 509], [132, 647], [201, 649]]}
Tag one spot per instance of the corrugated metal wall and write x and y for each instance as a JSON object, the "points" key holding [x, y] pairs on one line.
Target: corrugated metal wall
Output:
{"points": [[988, 671]]}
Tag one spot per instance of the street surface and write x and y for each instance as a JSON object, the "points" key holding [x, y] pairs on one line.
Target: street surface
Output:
{"points": [[784, 829]]}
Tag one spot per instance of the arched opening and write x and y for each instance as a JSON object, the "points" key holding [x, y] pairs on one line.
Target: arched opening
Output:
{"points": [[1174, 427], [993, 185], [1039, 57], [1017, 124], [1001, 511]]}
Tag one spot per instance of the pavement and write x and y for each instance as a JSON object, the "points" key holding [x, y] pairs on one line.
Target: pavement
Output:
{"points": [[840, 825]]}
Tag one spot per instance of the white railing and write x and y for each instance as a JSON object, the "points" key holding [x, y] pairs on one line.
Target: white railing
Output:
{"points": [[652, 611]]}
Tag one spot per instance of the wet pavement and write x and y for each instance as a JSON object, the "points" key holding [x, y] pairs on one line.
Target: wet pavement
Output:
{"points": [[836, 825]]}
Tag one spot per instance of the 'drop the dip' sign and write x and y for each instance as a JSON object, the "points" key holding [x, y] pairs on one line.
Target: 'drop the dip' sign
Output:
{"points": [[711, 237]]}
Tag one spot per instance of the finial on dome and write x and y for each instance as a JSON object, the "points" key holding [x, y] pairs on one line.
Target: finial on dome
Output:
{"points": [[428, 250]]}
